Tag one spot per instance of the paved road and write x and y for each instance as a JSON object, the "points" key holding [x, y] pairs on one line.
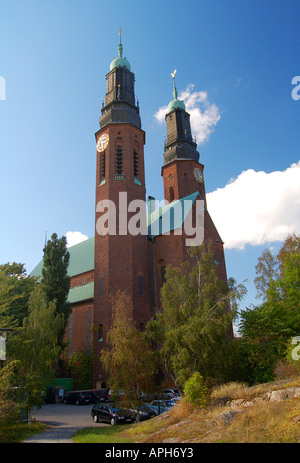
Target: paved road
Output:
{"points": [[62, 422]]}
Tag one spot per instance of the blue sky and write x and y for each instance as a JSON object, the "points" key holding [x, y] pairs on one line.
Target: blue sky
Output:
{"points": [[235, 61]]}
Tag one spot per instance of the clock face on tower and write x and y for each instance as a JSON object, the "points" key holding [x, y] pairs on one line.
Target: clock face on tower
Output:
{"points": [[102, 142], [198, 175]]}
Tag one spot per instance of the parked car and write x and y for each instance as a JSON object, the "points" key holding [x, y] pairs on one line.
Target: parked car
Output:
{"points": [[172, 393], [160, 406], [102, 395], [76, 398], [92, 396], [144, 412], [111, 392], [109, 413]]}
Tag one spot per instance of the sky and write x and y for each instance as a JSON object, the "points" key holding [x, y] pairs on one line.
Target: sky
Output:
{"points": [[238, 69]]}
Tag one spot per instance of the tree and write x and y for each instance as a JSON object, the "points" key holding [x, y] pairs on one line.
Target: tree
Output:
{"points": [[267, 329], [291, 246], [197, 318], [55, 278], [35, 346], [15, 288], [267, 272], [128, 360], [81, 367], [9, 408]]}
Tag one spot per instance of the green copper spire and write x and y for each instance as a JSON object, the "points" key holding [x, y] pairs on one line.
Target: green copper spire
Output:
{"points": [[120, 47], [120, 61], [175, 103]]}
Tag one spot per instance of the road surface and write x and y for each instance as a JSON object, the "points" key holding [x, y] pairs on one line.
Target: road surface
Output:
{"points": [[62, 422]]}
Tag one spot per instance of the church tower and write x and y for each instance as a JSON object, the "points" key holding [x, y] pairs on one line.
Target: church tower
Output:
{"points": [[182, 173], [121, 258]]}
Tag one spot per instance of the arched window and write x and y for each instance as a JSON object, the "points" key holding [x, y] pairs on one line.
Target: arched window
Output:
{"points": [[102, 166], [162, 270], [171, 193], [141, 286], [100, 332], [119, 160], [135, 163]]}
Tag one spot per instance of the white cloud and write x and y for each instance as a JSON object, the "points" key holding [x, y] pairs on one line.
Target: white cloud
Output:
{"points": [[75, 238], [257, 207], [204, 115]]}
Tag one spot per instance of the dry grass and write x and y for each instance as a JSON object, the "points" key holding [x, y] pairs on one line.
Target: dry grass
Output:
{"points": [[236, 390], [264, 422], [232, 390]]}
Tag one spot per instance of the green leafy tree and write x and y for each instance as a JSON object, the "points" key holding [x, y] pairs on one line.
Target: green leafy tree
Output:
{"points": [[15, 288], [129, 359], [81, 368], [35, 347], [196, 321], [55, 278], [267, 269], [267, 329], [10, 408]]}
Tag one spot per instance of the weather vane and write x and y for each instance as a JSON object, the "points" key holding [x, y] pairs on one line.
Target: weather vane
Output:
{"points": [[120, 33], [174, 86]]}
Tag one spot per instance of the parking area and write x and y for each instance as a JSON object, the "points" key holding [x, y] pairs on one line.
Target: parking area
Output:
{"points": [[62, 422]]}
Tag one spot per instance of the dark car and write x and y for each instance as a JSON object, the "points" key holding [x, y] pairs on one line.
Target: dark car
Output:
{"points": [[76, 398], [109, 413], [92, 396], [102, 395], [145, 412]]}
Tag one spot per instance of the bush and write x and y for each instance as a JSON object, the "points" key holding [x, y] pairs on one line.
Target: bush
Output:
{"points": [[195, 391]]}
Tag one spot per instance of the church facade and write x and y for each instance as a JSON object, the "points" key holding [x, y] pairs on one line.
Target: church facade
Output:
{"points": [[134, 261]]}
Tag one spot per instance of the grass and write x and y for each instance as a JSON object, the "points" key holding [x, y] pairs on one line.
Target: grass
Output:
{"points": [[103, 435], [267, 423], [236, 390], [18, 432]]}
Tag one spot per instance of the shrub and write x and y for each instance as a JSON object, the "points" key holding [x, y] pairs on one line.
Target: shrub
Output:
{"points": [[195, 391]]}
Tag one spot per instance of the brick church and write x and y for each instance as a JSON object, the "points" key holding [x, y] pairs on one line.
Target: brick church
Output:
{"points": [[134, 262]]}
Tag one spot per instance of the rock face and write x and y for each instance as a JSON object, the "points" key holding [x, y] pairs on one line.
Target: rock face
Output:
{"points": [[271, 396], [238, 406], [227, 417]]}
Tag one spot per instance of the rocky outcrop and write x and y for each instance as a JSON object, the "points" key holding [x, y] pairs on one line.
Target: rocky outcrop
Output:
{"points": [[239, 405], [271, 396]]}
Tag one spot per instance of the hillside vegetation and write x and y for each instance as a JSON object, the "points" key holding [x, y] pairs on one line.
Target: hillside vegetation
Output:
{"points": [[267, 413]]}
